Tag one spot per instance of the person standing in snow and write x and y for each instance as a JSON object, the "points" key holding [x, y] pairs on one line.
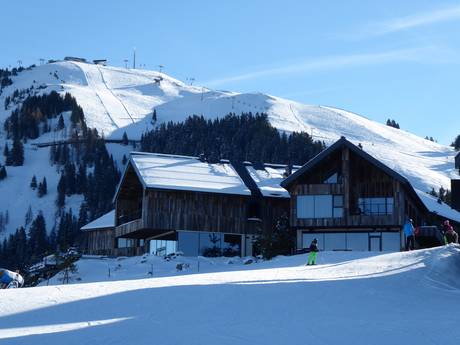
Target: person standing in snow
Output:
{"points": [[8, 279], [409, 232], [450, 236], [313, 252]]}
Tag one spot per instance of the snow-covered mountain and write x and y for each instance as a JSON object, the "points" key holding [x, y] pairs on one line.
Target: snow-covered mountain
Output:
{"points": [[118, 100]]}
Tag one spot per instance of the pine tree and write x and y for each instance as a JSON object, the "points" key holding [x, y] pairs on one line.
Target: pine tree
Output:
{"points": [[61, 124], [6, 151], [124, 139], [42, 188], [124, 160], [81, 179], [3, 173], [83, 215], [61, 188], [154, 116], [17, 153], [33, 182], [37, 237], [29, 216]]}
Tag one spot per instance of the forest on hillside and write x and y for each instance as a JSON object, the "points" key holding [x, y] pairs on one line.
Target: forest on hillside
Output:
{"points": [[86, 167]]}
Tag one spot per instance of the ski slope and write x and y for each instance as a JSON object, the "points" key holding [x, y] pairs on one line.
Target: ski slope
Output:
{"points": [[349, 298], [118, 100]]}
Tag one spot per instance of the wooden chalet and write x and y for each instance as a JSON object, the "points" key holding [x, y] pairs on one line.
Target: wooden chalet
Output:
{"points": [[167, 203], [100, 236], [349, 200]]}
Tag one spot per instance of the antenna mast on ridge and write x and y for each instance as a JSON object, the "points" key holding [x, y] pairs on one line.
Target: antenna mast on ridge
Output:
{"points": [[134, 60]]}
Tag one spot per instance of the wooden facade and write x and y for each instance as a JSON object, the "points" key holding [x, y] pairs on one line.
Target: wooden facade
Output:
{"points": [[100, 241], [357, 178], [147, 213], [347, 172], [166, 210]]}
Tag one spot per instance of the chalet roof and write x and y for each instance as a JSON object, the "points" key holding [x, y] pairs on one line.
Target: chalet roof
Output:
{"points": [[105, 221], [268, 179], [175, 172], [437, 207], [426, 201]]}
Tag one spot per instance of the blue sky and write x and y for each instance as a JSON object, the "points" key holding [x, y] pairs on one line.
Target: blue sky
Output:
{"points": [[381, 59]]}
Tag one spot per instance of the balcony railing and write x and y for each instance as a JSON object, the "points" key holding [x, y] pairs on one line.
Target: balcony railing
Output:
{"points": [[127, 228]]}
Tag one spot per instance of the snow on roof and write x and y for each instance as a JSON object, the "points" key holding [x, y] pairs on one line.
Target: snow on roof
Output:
{"points": [[441, 209], [187, 173], [105, 221], [268, 180]]}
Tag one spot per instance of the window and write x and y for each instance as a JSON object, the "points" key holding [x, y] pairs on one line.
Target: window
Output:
{"points": [[125, 243], [337, 211], [334, 178], [376, 206], [320, 206], [193, 243], [323, 206]]}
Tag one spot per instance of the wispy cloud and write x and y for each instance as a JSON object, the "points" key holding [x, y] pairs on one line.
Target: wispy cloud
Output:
{"points": [[408, 22], [328, 63]]}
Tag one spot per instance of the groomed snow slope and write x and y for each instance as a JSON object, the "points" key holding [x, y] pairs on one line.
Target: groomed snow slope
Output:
{"points": [[117, 100], [350, 298]]}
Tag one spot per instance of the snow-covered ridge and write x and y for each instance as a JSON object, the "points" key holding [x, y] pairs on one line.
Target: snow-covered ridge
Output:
{"points": [[118, 100]]}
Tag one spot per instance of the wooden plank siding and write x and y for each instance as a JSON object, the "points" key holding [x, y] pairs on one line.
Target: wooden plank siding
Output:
{"points": [[123, 230], [100, 241], [195, 211], [172, 210], [358, 179], [211, 212]]}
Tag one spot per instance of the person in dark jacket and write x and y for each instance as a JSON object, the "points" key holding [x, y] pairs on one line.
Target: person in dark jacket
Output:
{"points": [[313, 252]]}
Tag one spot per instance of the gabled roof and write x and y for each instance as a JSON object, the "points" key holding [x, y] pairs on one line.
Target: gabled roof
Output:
{"points": [[425, 200], [176, 172], [105, 221], [339, 144], [173, 172]]}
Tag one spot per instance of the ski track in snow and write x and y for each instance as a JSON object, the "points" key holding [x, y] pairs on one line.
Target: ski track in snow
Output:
{"points": [[349, 298], [118, 100]]}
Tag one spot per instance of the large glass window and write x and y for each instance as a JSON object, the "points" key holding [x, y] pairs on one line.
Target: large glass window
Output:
{"points": [[193, 243], [335, 241], [162, 247], [306, 206], [319, 206], [376, 206], [323, 206], [125, 243]]}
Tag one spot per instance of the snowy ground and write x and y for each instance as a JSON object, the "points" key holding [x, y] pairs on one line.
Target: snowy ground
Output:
{"points": [[350, 298]]}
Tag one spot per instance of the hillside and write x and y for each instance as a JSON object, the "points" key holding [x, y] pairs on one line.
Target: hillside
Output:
{"points": [[118, 100], [349, 298]]}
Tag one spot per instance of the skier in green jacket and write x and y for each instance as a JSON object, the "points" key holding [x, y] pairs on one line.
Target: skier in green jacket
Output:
{"points": [[313, 252]]}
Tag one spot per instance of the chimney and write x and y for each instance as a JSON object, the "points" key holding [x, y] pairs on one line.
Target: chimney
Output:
{"points": [[455, 194]]}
